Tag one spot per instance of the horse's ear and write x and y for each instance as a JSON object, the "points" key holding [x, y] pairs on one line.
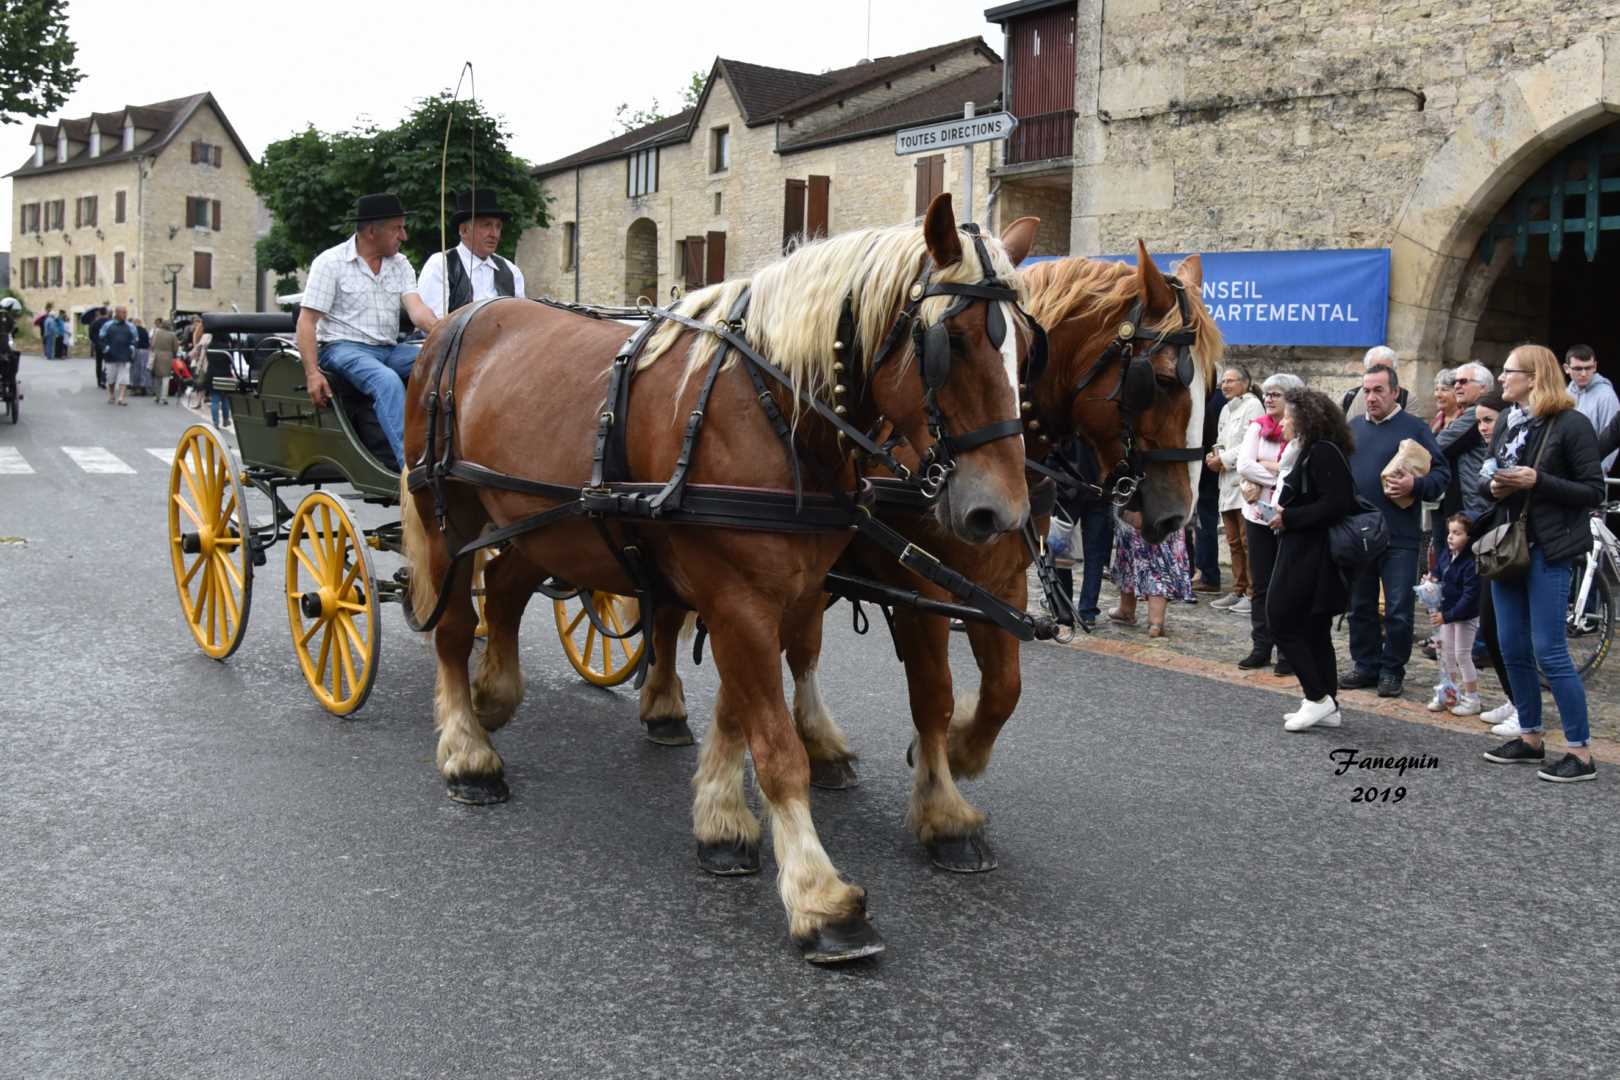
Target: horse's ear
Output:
{"points": [[1150, 283], [1191, 271], [1018, 238], [939, 232]]}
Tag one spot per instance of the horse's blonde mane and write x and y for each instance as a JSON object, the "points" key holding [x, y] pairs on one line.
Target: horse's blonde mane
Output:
{"points": [[1070, 288], [796, 301]]}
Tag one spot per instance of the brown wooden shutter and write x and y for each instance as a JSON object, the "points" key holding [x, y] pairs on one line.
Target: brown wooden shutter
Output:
{"points": [[89, 269], [936, 176], [118, 268], [78, 220], [95, 203], [213, 213], [119, 208], [815, 218], [792, 212], [218, 157], [716, 268], [694, 262], [202, 270], [930, 180]]}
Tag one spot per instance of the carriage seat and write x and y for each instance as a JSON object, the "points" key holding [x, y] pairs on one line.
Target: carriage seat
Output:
{"points": [[362, 417]]}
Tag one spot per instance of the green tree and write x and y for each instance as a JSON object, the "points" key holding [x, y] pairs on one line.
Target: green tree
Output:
{"points": [[629, 119], [310, 181], [36, 59]]}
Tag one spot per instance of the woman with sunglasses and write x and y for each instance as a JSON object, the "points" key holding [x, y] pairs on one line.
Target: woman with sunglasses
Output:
{"points": [[1544, 467]]}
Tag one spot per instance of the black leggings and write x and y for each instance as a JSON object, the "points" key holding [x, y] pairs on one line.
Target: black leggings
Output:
{"points": [[1262, 545], [1487, 630], [1306, 642]]}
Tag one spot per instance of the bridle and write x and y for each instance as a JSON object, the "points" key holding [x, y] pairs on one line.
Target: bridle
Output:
{"points": [[931, 346], [1135, 392]]}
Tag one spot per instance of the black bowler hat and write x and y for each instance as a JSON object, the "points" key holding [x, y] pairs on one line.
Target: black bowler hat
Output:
{"points": [[486, 204], [376, 208]]}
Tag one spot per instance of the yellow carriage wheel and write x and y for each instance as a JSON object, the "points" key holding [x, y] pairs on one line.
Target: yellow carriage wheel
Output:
{"points": [[601, 660], [332, 603], [210, 541]]}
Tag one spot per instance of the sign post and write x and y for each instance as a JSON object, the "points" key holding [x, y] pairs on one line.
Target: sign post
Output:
{"points": [[965, 133]]}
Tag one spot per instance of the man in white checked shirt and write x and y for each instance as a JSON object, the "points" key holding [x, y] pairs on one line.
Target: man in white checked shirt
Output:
{"points": [[475, 271], [349, 320]]}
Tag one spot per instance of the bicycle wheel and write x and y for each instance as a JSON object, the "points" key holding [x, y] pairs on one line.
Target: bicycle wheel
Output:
{"points": [[1590, 632]]}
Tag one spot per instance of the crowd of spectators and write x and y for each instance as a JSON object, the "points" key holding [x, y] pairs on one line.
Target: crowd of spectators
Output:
{"points": [[1284, 464]]}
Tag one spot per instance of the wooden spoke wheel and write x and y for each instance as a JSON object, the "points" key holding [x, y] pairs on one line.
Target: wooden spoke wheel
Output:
{"points": [[600, 660], [210, 541], [332, 603]]}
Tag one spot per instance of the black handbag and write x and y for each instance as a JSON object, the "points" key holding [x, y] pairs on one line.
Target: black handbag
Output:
{"points": [[1359, 538], [1502, 553]]}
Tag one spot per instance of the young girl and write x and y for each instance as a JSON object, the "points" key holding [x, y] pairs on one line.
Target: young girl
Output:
{"points": [[1457, 619]]}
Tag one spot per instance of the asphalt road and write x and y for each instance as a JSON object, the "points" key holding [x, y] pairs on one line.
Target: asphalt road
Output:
{"points": [[202, 874]]}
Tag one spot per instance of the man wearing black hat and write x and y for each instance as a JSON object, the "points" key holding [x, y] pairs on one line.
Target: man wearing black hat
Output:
{"points": [[349, 321], [476, 272]]}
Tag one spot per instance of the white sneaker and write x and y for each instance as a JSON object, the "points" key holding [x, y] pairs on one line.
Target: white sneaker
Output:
{"points": [[1303, 702], [1509, 728], [1467, 705], [1439, 702], [1504, 711], [1221, 603], [1242, 607], [1324, 713]]}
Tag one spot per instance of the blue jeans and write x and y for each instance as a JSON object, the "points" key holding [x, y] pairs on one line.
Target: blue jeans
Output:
{"points": [[218, 402], [1096, 529], [1530, 630], [1207, 551], [379, 372], [1383, 647]]}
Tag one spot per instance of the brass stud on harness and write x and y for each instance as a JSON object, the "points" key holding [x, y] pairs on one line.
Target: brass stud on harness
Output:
{"points": [[1026, 407], [839, 389], [841, 410], [838, 345], [1034, 425], [1127, 330], [917, 291], [838, 368]]}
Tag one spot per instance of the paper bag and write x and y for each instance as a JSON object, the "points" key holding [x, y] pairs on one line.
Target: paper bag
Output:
{"points": [[1411, 456]]}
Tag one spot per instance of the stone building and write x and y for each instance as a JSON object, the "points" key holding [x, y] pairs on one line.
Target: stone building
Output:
{"points": [[765, 156], [148, 206], [1474, 139]]}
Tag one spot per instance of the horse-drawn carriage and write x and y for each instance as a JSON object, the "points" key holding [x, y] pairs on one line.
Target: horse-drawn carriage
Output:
{"points": [[334, 589], [870, 399]]}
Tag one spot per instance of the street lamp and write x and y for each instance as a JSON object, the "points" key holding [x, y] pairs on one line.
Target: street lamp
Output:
{"points": [[171, 278]]}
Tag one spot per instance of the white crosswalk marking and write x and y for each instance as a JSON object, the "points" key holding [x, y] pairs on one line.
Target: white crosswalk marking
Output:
{"points": [[96, 459], [164, 454], [12, 463]]}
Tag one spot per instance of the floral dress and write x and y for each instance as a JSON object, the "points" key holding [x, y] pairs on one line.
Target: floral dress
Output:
{"points": [[1146, 569]]}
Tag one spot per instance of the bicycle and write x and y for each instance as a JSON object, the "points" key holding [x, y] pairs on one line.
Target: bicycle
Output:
{"points": [[1593, 591]]}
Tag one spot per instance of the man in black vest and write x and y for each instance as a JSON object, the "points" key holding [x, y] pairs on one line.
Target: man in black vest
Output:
{"points": [[471, 270]]}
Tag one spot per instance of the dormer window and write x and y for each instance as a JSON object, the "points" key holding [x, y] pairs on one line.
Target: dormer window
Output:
{"points": [[39, 151], [129, 135], [95, 142], [61, 145]]}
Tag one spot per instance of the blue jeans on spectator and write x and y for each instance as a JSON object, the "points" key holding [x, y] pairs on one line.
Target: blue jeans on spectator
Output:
{"points": [[218, 402], [1382, 647], [1530, 630], [1207, 551], [379, 372], [1096, 528]]}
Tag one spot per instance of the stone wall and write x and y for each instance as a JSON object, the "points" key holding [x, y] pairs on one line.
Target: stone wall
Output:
{"points": [[1254, 125], [869, 186], [70, 242]]}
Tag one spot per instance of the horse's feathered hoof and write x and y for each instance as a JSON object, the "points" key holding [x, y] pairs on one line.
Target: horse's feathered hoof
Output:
{"points": [[970, 854], [834, 775], [671, 731], [730, 859], [478, 790], [841, 942]]}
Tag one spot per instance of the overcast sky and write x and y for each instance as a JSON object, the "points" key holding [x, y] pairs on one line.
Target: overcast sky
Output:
{"points": [[554, 71]]}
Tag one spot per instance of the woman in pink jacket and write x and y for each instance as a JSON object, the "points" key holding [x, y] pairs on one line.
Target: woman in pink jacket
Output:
{"points": [[1258, 464]]}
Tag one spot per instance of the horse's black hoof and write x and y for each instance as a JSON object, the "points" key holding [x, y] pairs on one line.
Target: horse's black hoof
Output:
{"points": [[728, 859], [970, 854], [841, 942], [670, 731], [478, 790], [834, 775]]}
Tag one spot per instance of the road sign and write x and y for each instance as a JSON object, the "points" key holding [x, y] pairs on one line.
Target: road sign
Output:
{"points": [[963, 132]]}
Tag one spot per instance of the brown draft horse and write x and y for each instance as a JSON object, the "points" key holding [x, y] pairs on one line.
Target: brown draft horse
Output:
{"points": [[1080, 303], [528, 391]]}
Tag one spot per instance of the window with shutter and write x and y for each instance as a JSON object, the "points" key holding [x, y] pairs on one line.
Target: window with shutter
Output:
{"points": [[118, 268], [815, 218], [119, 207], [792, 212], [715, 271], [218, 156], [202, 270], [694, 262], [196, 151], [930, 180], [213, 215], [91, 205], [89, 269]]}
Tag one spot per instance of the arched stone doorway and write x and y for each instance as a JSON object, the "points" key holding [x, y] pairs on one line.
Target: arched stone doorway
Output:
{"points": [[1441, 283], [641, 261]]}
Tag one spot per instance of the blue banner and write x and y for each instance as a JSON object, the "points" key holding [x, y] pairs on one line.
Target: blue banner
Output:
{"points": [[1333, 297]]}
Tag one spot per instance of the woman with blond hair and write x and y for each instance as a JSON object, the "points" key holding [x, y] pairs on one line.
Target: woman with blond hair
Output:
{"points": [[1544, 468]]}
